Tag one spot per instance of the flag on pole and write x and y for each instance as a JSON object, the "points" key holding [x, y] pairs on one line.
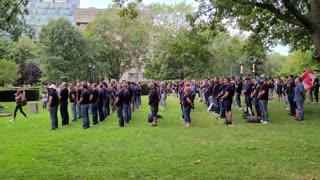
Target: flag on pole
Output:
{"points": [[308, 78]]}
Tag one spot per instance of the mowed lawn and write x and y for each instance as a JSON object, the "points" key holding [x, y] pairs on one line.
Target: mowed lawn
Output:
{"points": [[283, 149]]}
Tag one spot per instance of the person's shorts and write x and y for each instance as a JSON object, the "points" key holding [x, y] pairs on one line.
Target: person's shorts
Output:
{"points": [[154, 110], [227, 105], [279, 91]]}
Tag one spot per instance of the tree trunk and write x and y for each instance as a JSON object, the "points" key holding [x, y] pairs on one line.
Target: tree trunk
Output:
{"points": [[315, 15]]}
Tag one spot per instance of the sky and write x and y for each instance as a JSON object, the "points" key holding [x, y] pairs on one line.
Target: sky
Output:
{"points": [[284, 50]]}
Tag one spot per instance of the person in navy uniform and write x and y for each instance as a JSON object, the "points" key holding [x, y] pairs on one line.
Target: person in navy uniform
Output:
{"points": [[227, 100]]}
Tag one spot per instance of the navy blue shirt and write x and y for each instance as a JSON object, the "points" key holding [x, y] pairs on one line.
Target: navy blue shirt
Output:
{"points": [[248, 89]]}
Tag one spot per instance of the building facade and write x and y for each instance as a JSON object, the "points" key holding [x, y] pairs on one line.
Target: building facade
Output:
{"points": [[41, 11]]}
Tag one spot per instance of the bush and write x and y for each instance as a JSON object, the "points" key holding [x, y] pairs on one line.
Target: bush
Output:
{"points": [[8, 95], [144, 89]]}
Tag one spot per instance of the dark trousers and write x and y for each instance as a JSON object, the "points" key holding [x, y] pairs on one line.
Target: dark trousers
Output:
{"points": [[186, 112], [85, 115], [216, 106], [54, 117], [193, 97], [18, 107], [238, 99], [223, 111], [293, 106], [257, 107], [316, 96], [120, 116], [64, 113], [101, 113], [181, 106], [94, 112], [248, 101]]}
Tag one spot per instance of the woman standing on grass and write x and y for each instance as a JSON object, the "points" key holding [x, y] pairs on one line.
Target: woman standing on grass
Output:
{"points": [[187, 105], [20, 98], [44, 98], [163, 94]]}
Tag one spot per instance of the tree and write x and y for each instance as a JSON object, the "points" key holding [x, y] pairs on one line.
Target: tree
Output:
{"points": [[8, 71], [22, 50], [119, 43], [296, 23], [64, 51], [30, 73], [11, 17]]}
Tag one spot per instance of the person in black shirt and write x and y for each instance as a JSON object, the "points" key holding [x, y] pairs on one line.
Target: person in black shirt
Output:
{"points": [[187, 105], [227, 100], [316, 89], [254, 96], [53, 106], [126, 103], [263, 101], [247, 94], [84, 104], [279, 85], [290, 92], [101, 99], [215, 93], [154, 103], [73, 102], [79, 92], [221, 105], [119, 104], [64, 95], [138, 92], [94, 103], [239, 86]]}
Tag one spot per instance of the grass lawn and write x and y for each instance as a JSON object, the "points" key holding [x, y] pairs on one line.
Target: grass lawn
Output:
{"points": [[283, 149]]}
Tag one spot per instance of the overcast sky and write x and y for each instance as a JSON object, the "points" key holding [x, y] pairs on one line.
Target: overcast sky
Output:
{"points": [[104, 4]]}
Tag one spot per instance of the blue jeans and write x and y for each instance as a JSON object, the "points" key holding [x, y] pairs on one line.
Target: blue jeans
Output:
{"points": [[216, 106], [163, 101], [54, 117], [300, 110], [186, 113], [85, 115], [79, 111], [223, 111], [73, 111], [94, 111], [264, 110], [44, 104], [137, 101], [125, 112], [120, 116], [238, 99], [101, 112], [248, 101]]}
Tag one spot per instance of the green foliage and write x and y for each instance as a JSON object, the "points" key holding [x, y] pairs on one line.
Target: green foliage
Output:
{"points": [[8, 71], [274, 64], [22, 50], [118, 43], [64, 51], [299, 62], [11, 17]]}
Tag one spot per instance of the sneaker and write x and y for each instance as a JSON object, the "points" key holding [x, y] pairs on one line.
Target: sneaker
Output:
{"points": [[265, 122], [12, 120], [154, 125]]}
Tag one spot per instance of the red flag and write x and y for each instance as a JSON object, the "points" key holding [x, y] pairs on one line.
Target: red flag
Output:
{"points": [[308, 79]]}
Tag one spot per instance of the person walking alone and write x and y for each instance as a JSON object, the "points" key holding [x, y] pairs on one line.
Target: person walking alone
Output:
{"points": [[19, 97]]}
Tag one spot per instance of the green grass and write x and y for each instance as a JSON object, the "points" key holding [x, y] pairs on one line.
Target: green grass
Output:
{"points": [[284, 149]]}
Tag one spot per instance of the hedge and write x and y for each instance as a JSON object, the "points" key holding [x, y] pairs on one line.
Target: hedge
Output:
{"points": [[144, 89], [8, 95]]}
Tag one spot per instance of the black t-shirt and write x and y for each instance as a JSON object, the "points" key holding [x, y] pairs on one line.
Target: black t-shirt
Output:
{"points": [[79, 92], [316, 88], [239, 87], [248, 89], [185, 103], [221, 90], [55, 99], [153, 97], [126, 96], [95, 95], [72, 92], [229, 88], [101, 96], [64, 94], [119, 96], [257, 91], [215, 90], [264, 87], [85, 95], [137, 92]]}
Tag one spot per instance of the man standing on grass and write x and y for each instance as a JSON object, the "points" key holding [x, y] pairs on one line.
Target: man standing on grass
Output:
{"points": [[73, 102], [239, 87], [84, 105], [299, 97], [227, 100], [53, 106], [126, 103], [79, 92], [263, 101], [64, 96], [119, 104], [247, 95], [94, 103], [290, 91], [101, 99], [154, 103]]}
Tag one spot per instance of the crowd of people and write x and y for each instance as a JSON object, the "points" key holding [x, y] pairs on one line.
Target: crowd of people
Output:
{"points": [[218, 94]]}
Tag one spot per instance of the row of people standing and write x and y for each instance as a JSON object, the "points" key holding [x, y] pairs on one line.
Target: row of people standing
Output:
{"points": [[85, 98]]}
